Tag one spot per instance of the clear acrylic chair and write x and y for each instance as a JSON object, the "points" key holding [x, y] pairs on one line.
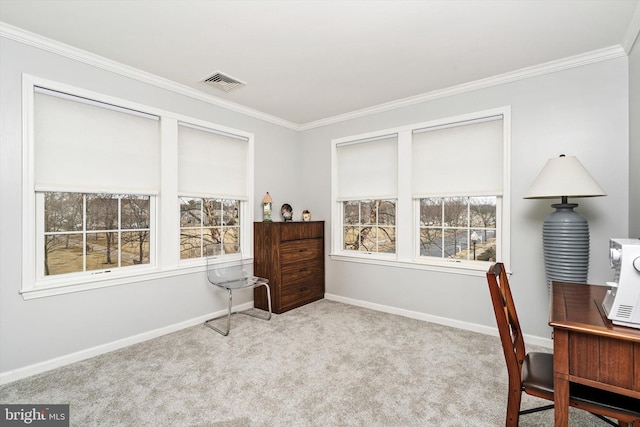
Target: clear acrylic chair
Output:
{"points": [[230, 278]]}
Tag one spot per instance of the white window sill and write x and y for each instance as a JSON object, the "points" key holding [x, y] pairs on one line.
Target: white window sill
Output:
{"points": [[468, 268], [65, 285], [48, 288]]}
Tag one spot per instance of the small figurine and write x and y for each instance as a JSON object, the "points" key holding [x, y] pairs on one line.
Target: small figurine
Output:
{"points": [[306, 215], [287, 212]]}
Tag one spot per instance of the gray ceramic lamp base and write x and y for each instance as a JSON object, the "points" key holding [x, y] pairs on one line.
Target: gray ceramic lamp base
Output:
{"points": [[565, 239]]}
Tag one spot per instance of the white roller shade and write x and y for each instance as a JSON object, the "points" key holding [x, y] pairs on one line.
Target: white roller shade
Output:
{"points": [[211, 163], [460, 159], [368, 169], [84, 145]]}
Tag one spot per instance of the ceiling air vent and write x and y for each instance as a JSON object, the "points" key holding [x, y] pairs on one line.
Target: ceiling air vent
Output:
{"points": [[223, 81]]}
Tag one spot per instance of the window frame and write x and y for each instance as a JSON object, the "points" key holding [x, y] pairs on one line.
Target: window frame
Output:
{"points": [[361, 225], [201, 226], [165, 211], [420, 227], [408, 205], [41, 234]]}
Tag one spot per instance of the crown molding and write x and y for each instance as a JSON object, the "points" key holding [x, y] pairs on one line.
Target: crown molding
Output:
{"points": [[524, 73], [633, 30], [62, 49], [44, 43]]}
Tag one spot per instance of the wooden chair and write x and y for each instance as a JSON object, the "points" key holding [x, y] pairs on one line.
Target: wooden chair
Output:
{"points": [[533, 372]]}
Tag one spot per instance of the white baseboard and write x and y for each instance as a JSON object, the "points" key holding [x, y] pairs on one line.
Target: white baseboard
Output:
{"points": [[37, 368], [27, 371], [474, 327]]}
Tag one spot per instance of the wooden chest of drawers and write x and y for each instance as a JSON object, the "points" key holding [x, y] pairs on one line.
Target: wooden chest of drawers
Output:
{"points": [[291, 256]]}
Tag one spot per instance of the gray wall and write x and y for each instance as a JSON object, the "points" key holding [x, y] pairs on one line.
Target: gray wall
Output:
{"points": [[634, 140], [581, 111], [39, 330]]}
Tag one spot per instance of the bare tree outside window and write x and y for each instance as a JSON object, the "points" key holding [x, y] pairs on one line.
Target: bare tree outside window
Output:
{"points": [[458, 227], [63, 225], [455, 220], [483, 214], [102, 215], [209, 227], [135, 219], [370, 225], [94, 231]]}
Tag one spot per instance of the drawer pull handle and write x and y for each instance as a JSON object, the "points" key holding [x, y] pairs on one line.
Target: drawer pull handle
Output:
{"points": [[303, 269], [302, 250]]}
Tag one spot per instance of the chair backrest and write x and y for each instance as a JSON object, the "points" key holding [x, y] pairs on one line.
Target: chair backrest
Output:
{"points": [[225, 274], [507, 320]]}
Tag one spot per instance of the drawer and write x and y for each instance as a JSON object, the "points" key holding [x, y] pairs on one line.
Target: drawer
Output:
{"points": [[301, 230], [300, 250], [291, 288], [302, 295], [301, 272], [292, 301]]}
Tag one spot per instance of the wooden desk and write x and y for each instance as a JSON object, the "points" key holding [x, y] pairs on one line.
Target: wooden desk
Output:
{"points": [[588, 348]]}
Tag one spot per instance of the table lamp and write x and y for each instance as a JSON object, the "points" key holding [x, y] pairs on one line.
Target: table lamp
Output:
{"points": [[565, 233]]}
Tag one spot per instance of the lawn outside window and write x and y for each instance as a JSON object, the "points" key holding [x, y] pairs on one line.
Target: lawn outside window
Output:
{"points": [[448, 181], [95, 232], [94, 167]]}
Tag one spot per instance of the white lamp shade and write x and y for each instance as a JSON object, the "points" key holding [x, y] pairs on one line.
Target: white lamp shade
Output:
{"points": [[564, 176]]}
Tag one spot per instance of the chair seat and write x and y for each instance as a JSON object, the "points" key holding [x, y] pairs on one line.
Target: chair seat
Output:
{"points": [[537, 374], [243, 282]]}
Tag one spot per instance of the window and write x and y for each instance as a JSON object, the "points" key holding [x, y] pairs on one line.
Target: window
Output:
{"points": [[367, 182], [429, 195], [92, 180], [209, 227], [88, 158], [93, 232], [457, 179], [458, 228], [213, 164], [369, 226]]}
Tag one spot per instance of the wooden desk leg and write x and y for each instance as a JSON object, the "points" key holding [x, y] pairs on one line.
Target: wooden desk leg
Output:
{"points": [[561, 377]]}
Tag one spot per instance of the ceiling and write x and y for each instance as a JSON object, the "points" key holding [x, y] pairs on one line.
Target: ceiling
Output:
{"points": [[305, 62]]}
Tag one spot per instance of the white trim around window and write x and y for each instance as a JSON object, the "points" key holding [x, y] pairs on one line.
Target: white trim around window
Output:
{"points": [[407, 214], [164, 251]]}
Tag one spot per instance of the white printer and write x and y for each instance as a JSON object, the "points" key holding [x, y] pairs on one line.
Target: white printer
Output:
{"points": [[622, 301]]}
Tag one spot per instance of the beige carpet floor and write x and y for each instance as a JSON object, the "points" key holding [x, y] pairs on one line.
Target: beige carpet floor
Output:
{"points": [[324, 364]]}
